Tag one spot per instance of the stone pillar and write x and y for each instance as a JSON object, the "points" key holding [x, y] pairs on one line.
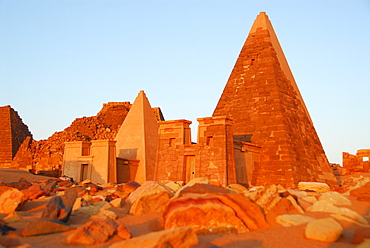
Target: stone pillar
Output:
{"points": [[217, 159], [172, 136]]}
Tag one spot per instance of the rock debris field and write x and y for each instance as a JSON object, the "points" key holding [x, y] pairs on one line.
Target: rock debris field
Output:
{"points": [[38, 211]]}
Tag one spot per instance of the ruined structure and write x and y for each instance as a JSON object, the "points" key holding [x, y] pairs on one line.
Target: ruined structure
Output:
{"points": [[47, 155], [263, 100], [13, 133], [356, 164], [260, 132], [212, 157], [129, 157]]}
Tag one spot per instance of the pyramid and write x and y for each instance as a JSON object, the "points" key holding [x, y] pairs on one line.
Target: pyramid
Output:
{"points": [[264, 102], [138, 136], [13, 132]]}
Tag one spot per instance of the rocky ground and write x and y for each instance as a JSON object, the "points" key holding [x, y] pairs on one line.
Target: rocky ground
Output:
{"points": [[38, 211]]}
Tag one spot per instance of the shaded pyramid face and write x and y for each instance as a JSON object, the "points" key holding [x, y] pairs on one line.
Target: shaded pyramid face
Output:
{"points": [[263, 100]]}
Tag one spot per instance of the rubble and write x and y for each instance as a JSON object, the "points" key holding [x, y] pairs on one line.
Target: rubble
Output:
{"points": [[196, 212]]}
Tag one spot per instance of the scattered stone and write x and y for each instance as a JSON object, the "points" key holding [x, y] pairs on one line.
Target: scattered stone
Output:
{"points": [[117, 203], [20, 185], [123, 232], [77, 204], [206, 215], [60, 207], [65, 183], [181, 237], [44, 226], [93, 232], [295, 204], [173, 185], [11, 199], [93, 188], [353, 183], [218, 213], [297, 193], [50, 186], [293, 219], [193, 181], [79, 189], [304, 204], [201, 188], [104, 213], [267, 197], [283, 207], [362, 192], [328, 230], [86, 200], [342, 217], [237, 188], [151, 197], [86, 181], [34, 192], [324, 206], [124, 190], [93, 209], [314, 186], [335, 198], [310, 199]]}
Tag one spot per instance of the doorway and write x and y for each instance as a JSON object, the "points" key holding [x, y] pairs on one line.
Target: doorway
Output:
{"points": [[190, 167], [84, 169]]}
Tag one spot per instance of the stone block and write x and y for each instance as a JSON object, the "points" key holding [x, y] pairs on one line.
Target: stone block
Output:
{"points": [[328, 230]]}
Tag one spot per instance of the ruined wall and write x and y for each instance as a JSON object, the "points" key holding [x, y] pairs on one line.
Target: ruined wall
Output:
{"points": [[212, 157], [356, 164], [48, 154], [12, 134]]}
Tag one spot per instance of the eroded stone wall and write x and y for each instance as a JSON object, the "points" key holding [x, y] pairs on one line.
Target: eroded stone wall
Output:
{"points": [[356, 164], [12, 134], [48, 154], [212, 157]]}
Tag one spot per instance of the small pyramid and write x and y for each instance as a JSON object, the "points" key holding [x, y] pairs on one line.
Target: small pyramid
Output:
{"points": [[264, 102], [138, 136]]}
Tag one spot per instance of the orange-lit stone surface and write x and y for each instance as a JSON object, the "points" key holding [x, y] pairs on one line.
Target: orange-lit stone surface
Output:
{"points": [[263, 101], [48, 154], [355, 164], [260, 132], [137, 138], [212, 157], [12, 134]]}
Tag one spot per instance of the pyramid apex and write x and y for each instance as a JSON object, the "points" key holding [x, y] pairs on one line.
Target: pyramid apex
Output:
{"points": [[262, 21]]}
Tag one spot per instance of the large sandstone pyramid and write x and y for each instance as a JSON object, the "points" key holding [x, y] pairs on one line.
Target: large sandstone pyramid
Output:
{"points": [[264, 102]]}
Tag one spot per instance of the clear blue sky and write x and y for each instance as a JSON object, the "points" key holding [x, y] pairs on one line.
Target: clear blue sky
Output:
{"points": [[60, 60]]}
